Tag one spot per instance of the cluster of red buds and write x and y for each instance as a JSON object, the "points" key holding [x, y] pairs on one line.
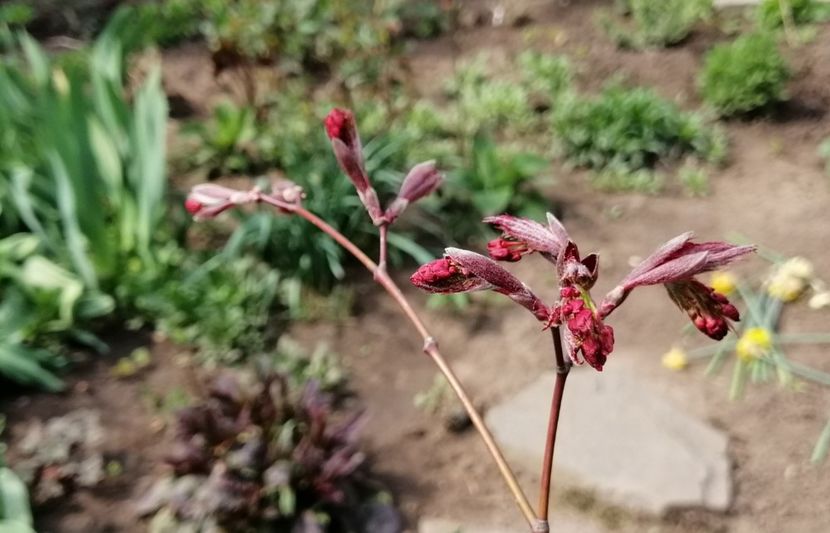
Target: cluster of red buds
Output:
{"points": [[588, 338]]}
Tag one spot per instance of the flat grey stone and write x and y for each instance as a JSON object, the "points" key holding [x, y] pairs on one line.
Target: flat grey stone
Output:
{"points": [[618, 438]]}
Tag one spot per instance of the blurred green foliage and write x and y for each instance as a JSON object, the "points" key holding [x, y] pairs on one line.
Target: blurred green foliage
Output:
{"points": [[84, 226], [744, 75], [84, 185], [774, 14], [226, 309], [285, 135], [15, 510], [626, 132], [649, 23]]}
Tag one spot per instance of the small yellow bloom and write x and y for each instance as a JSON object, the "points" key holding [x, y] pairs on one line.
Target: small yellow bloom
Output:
{"points": [[675, 359], [820, 300], [754, 343], [797, 267], [723, 282], [790, 279]]}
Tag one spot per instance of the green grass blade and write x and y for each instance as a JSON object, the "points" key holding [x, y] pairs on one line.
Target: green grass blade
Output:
{"points": [[822, 445], [20, 364]]}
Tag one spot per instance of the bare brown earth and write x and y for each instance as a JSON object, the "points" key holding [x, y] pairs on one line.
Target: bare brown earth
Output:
{"points": [[773, 191]]}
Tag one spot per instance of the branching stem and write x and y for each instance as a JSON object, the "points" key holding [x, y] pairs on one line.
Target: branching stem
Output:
{"points": [[430, 348]]}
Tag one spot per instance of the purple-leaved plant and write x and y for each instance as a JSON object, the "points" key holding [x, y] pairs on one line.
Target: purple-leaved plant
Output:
{"points": [[588, 338]]}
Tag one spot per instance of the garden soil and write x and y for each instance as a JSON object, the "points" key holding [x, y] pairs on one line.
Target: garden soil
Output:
{"points": [[772, 191]]}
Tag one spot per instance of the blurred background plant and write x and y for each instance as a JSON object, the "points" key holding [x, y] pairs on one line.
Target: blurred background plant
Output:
{"points": [[84, 188], [745, 75], [775, 14], [759, 346], [652, 23], [625, 133], [257, 453]]}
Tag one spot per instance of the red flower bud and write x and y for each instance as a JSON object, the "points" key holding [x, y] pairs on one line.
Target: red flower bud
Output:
{"points": [[443, 276], [422, 180], [192, 205], [709, 311], [588, 338], [345, 142], [209, 200]]}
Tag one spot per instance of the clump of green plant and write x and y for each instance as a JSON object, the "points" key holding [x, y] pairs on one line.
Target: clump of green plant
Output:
{"points": [[227, 308], [61, 454], [774, 14], [623, 131], [647, 23], [41, 303], [745, 75], [492, 180], [258, 455], [84, 182]]}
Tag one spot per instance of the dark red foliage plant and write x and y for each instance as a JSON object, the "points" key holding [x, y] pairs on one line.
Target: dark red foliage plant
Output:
{"points": [[577, 321], [256, 455]]}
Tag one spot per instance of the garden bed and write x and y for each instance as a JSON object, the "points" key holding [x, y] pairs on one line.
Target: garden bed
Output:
{"points": [[773, 190]]}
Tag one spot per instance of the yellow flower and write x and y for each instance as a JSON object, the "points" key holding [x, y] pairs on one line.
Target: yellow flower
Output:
{"points": [[675, 359], [723, 282], [820, 300], [790, 279], [754, 343], [786, 288], [797, 267]]}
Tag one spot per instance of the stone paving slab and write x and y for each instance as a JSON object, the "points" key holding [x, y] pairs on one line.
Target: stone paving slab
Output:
{"points": [[620, 439]]}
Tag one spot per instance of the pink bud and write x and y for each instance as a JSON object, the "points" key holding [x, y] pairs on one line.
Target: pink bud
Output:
{"points": [[209, 200], [422, 180], [345, 142], [443, 276], [193, 206], [501, 280]]}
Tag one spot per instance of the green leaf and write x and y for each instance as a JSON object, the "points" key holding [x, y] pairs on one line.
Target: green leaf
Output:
{"points": [[14, 502], [75, 240], [410, 248], [822, 445], [20, 364], [493, 201]]}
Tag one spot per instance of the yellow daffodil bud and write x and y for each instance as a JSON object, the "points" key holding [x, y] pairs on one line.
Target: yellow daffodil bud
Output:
{"points": [[786, 288], [798, 267], [675, 359], [723, 282], [790, 279], [820, 300], [754, 343]]}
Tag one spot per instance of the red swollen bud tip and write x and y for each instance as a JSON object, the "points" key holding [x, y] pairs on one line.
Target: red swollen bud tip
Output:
{"points": [[335, 122], [193, 205]]}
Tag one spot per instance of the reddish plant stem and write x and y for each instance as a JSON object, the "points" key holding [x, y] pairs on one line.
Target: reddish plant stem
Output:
{"points": [[384, 241], [563, 367], [431, 349]]}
